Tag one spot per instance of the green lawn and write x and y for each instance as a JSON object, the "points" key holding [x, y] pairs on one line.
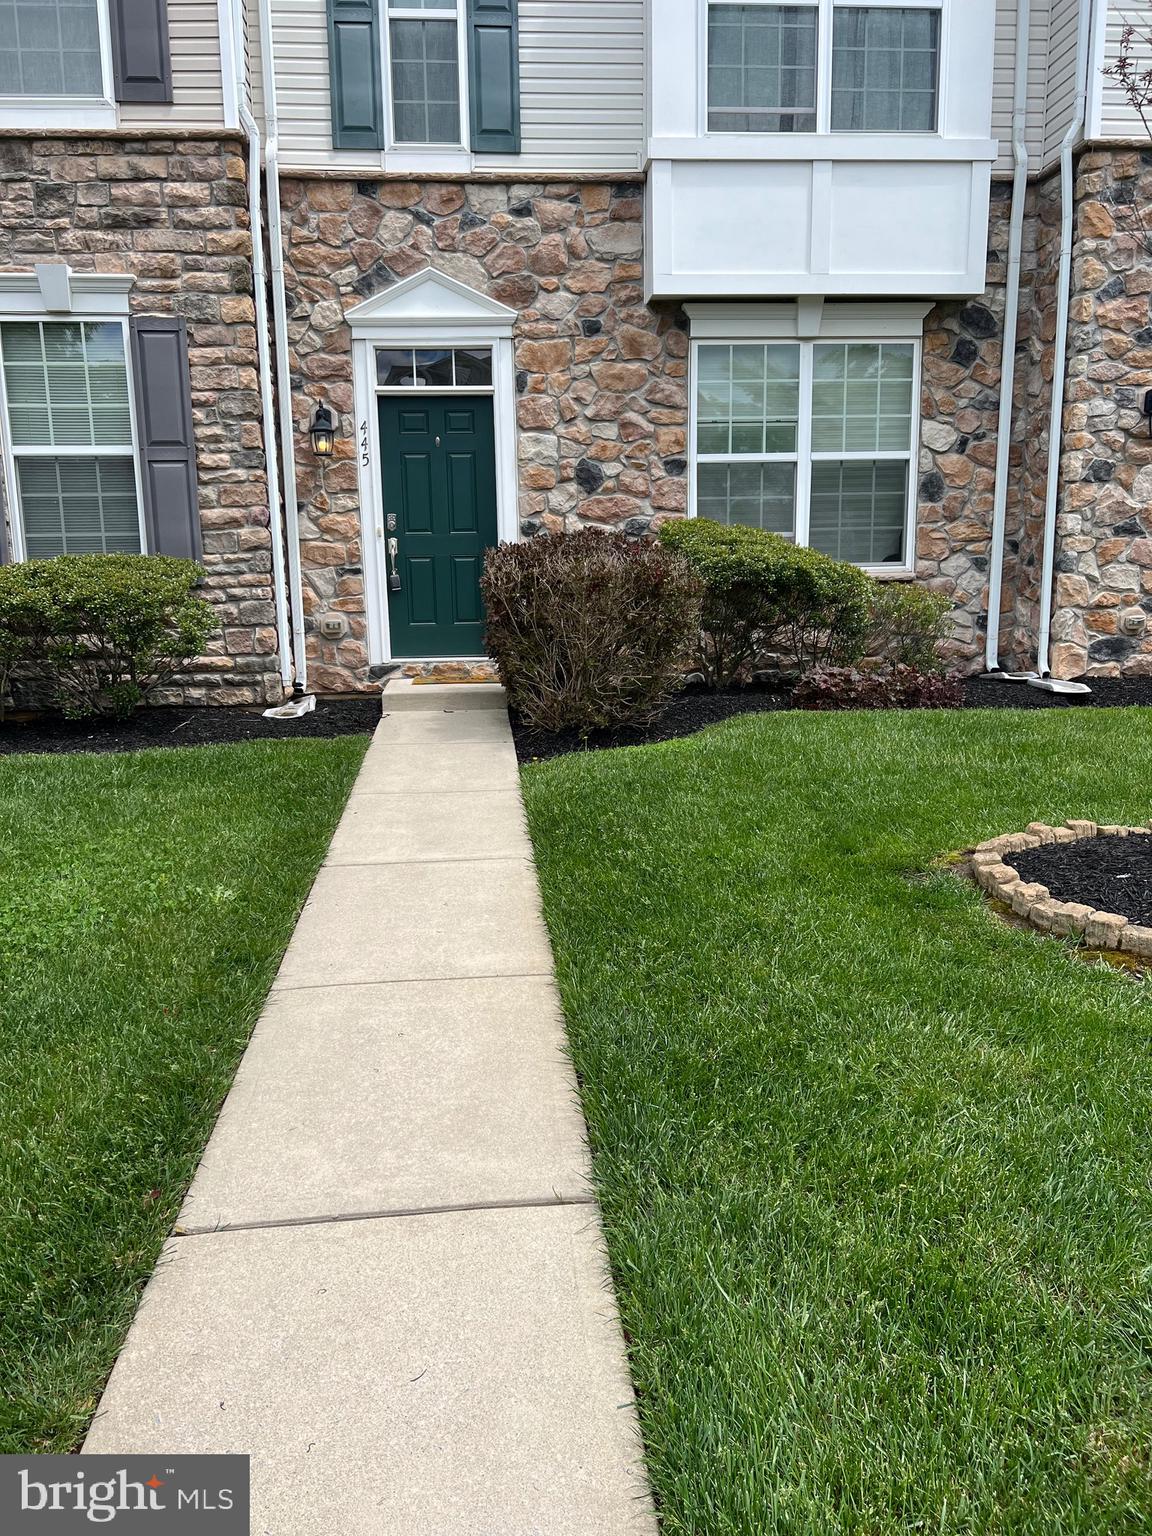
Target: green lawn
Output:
{"points": [[875, 1166], [145, 900]]}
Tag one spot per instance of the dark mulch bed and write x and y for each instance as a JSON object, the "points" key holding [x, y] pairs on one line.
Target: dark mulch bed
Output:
{"points": [[691, 712], [682, 716], [1111, 874], [1107, 693], [192, 727]]}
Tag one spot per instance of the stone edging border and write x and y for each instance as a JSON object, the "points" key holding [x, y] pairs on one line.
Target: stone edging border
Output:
{"points": [[1035, 903]]}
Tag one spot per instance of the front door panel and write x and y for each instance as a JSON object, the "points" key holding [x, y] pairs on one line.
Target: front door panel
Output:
{"points": [[439, 477]]}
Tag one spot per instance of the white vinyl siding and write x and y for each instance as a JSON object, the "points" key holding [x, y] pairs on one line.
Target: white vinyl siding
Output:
{"points": [[1062, 29], [1003, 80], [581, 88], [197, 91], [1117, 118]]}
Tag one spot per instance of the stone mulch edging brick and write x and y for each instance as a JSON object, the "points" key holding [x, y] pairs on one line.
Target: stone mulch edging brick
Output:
{"points": [[1034, 902]]}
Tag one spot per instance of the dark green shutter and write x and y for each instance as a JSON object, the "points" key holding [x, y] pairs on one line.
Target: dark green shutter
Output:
{"points": [[494, 76], [354, 74]]}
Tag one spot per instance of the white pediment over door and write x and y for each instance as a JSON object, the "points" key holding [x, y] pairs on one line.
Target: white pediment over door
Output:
{"points": [[430, 301]]}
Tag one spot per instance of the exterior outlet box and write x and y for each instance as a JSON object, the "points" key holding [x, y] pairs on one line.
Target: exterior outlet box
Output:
{"points": [[333, 626], [1132, 623]]}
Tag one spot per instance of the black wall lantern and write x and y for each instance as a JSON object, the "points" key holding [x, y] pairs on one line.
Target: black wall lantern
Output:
{"points": [[322, 432], [1148, 408]]}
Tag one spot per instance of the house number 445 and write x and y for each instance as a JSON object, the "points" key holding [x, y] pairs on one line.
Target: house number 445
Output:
{"points": [[364, 455]]}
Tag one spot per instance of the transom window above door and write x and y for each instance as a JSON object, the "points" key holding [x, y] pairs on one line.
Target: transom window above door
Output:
{"points": [[811, 440], [434, 367], [823, 66]]}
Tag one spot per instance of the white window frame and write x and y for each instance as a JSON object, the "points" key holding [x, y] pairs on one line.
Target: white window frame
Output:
{"points": [[825, 10], [448, 10], [69, 111], [90, 297], [813, 323]]}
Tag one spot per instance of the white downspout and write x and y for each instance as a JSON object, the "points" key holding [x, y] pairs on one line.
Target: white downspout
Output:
{"points": [[280, 320], [1060, 362], [267, 411], [1011, 317]]}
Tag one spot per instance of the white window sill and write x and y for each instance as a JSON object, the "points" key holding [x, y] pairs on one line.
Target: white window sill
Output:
{"points": [[78, 113]]}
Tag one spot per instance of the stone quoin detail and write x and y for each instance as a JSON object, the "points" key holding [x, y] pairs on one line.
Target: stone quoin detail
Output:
{"points": [[1034, 903]]}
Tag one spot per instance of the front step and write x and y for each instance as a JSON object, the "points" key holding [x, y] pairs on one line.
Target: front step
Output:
{"points": [[481, 671], [406, 693]]}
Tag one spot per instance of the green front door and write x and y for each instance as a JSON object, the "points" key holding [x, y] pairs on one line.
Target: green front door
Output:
{"points": [[439, 475]]}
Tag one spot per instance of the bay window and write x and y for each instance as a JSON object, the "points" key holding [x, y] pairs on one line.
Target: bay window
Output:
{"points": [[814, 440], [69, 431], [823, 65]]}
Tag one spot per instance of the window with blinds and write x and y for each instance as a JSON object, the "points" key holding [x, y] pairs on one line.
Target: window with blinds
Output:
{"points": [[70, 428], [814, 441], [50, 48]]}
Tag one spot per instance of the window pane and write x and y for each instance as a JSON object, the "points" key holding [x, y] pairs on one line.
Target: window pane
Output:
{"points": [[762, 68], [760, 495], [859, 511], [78, 506], [394, 367], [434, 368], [747, 399], [50, 48], [862, 398], [474, 367], [885, 66], [67, 384], [425, 82]]}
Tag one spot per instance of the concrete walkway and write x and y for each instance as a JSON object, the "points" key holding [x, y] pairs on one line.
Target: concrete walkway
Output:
{"points": [[387, 1284]]}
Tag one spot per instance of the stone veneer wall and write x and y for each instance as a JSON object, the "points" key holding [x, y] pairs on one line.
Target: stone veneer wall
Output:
{"points": [[174, 213], [1104, 552], [601, 376]]}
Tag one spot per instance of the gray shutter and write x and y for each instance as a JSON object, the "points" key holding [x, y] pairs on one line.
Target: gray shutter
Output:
{"points": [[141, 61], [164, 429], [494, 76], [354, 65]]}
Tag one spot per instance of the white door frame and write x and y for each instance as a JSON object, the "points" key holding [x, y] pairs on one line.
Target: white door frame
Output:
{"points": [[426, 310]]}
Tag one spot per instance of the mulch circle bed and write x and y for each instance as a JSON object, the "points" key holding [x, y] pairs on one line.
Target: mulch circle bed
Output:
{"points": [[196, 726], [1110, 874]]}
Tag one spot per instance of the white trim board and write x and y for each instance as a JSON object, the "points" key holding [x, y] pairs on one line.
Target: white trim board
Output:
{"points": [[809, 319]]}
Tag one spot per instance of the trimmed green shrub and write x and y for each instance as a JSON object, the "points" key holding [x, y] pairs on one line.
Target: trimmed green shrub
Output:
{"points": [[764, 595], [588, 629], [101, 632], [909, 625]]}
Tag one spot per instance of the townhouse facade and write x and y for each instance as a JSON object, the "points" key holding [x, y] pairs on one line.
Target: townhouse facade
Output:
{"points": [[334, 294]]}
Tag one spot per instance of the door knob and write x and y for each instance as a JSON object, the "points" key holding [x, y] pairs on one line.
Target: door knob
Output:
{"points": [[393, 565]]}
